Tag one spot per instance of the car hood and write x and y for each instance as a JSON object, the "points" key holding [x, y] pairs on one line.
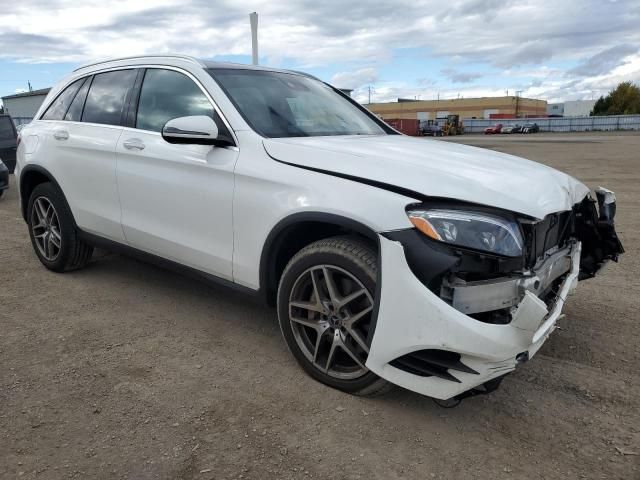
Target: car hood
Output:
{"points": [[437, 169]]}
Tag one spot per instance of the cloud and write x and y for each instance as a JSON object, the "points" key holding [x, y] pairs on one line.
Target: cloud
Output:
{"points": [[355, 79], [310, 32], [468, 39], [39, 48], [605, 61], [461, 77]]}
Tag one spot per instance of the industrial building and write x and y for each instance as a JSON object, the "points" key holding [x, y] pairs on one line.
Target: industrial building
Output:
{"points": [[578, 108], [485, 107], [555, 109], [571, 108], [23, 106]]}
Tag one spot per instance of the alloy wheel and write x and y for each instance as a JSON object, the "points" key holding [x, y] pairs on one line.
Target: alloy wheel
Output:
{"points": [[330, 316], [45, 227]]}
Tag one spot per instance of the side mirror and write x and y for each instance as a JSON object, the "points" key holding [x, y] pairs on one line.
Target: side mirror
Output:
{"points": [[197, 129]]}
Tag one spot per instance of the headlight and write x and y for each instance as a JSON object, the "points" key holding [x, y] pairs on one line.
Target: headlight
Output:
{"points": [[480, 231]]}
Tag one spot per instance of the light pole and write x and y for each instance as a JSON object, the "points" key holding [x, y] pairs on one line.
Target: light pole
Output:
{"points": [[253, 19]]}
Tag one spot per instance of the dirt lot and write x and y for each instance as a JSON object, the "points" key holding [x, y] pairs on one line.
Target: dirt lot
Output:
{"points": [[123, 370]]}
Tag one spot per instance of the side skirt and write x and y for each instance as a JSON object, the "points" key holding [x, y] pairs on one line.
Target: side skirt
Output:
{"points": [[115, 247]]}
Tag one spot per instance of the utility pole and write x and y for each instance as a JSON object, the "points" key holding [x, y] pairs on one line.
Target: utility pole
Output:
{"points": [[370, 89], [253, 19]]}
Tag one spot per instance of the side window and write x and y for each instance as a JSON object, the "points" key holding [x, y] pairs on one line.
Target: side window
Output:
{"points": [[106, 97], [166, 94], [59, 106], [6, 129], [74, 113]]}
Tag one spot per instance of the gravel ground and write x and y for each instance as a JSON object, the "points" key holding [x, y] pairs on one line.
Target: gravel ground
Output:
{"points": [[123, 370]]}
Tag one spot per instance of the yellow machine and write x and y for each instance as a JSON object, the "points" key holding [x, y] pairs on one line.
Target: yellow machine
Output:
{"points": [[452, 125]]}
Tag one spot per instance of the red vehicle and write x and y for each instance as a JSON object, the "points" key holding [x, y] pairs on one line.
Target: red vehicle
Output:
{"points": [[497, 128]]}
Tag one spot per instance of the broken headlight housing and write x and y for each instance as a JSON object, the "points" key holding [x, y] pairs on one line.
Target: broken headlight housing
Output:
{"points": [[475, 230]]}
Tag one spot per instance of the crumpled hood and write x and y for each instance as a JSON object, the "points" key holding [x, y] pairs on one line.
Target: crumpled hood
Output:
{"points": [[437, 169]]}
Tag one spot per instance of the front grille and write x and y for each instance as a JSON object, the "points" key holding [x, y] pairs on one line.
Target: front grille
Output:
{"points": [[432, 363]]}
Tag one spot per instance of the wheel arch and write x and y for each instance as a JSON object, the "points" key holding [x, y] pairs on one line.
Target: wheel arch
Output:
{"points": [[30, 177], [298, 230]]}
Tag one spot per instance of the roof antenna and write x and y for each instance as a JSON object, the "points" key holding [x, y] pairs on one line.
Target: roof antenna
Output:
{"points": [[253, 18]]}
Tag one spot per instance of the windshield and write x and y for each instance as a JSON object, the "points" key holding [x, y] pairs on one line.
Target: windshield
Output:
{"points": [[278, 104]]}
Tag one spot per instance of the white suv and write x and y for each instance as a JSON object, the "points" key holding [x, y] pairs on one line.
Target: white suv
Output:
{"points": [[430, 265]]}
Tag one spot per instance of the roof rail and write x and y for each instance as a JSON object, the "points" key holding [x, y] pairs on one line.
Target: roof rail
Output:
{"points": [[182, 57]]}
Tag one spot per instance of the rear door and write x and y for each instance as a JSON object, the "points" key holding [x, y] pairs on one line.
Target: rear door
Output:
{"points": [[87, 122], [8, 142], [176, 199]]}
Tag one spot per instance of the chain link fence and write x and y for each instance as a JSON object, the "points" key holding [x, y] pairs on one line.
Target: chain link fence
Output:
{"points": [[561, 124]]}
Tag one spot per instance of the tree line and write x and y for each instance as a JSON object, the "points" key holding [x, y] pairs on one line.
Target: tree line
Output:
{"points": [[622, 100]]}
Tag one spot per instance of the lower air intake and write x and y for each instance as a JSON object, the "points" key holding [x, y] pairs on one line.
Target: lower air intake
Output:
{"points": [[432, 363]]}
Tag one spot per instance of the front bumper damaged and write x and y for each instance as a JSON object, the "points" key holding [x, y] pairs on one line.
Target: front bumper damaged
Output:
{"points": [[451, 323], [412, 320]]}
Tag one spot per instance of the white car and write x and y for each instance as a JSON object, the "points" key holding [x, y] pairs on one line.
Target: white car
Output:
{"points": [[392, 260]]}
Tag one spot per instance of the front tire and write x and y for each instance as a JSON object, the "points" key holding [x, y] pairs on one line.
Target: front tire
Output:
{"points": [[53, 232], [325, 309]]}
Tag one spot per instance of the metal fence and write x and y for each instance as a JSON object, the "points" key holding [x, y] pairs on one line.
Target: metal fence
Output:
{"points": [[561, 124]]}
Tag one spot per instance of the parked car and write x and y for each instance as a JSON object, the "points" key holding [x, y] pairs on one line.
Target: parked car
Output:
{"points": [[511, 129], [430, 128], [390, 259], [8, 142], [493, 129], [517, 129], [530, 128], [4, 178]]}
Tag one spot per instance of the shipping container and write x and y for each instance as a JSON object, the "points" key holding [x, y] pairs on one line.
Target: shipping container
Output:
{"points": [[404, 125]]}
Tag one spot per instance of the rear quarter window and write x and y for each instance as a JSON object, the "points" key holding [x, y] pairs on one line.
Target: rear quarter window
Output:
{"points": [[74, 113], [59, 106]]}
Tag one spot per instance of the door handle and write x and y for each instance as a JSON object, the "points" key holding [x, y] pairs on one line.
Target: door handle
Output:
{"points": [[133, 144], [61, 135]]}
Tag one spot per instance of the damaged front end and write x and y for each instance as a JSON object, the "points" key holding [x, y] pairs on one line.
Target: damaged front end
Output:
{"points": [[596, 231], [524, 292]]}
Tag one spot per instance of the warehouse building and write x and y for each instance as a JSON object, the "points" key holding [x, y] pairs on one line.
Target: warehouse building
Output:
{"points": [[485, 107], [555, 109], [23, 106], [571, 108], [578, 108]]}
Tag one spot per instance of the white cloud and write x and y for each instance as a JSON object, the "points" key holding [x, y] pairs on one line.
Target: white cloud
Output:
{"points": [[355, 79]]}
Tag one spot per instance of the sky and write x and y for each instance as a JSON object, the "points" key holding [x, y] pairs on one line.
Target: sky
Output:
{"points": [[555, 50]]}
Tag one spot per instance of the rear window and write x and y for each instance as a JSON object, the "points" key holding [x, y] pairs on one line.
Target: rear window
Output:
{"points": [[59, 106], [6, 129], [106, 97]]}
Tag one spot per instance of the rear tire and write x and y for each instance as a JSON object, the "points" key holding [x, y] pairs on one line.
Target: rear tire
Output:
{"points": [[53, 231], [325, 308]]}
